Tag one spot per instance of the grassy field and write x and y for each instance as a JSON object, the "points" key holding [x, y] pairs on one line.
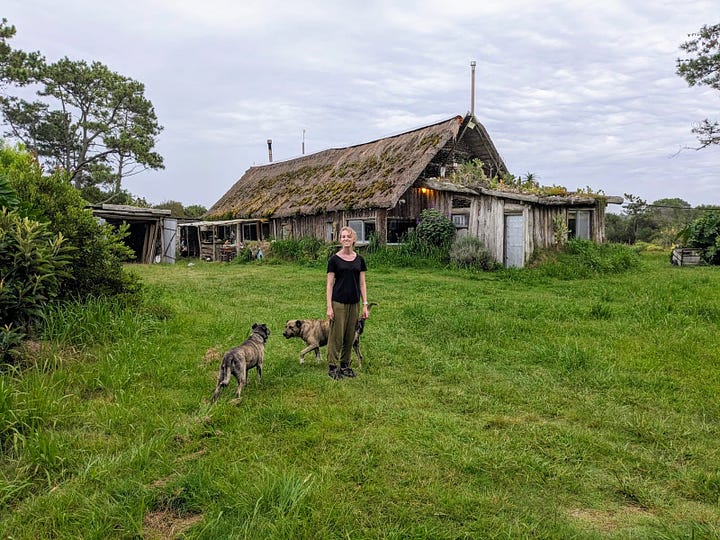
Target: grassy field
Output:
{"points": [[497, 405]]}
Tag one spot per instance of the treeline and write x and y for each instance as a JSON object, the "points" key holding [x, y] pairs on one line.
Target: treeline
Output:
{"points": [[663, 222]]}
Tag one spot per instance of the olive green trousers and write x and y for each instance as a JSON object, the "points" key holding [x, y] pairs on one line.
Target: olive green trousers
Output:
{"points": [[342, 333]]}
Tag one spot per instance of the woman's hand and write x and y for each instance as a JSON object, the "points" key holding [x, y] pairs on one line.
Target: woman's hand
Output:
{"points": [[330, 313]]}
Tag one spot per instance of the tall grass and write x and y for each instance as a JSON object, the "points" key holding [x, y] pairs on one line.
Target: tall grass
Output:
{"points": [[95, 321], [583, 258], [509, 404]]}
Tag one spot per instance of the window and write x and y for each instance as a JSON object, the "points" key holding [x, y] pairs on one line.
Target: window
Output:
{"points": [[249, 231], [460, 221], [363, 229], [397, 228], [579, 224], [329, 231]]}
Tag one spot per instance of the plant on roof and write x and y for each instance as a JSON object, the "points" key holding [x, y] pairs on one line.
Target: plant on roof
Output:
{"points": [[472, 174]]}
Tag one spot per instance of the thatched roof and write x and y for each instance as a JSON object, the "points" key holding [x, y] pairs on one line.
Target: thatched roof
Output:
{"points": [[369, 175]]}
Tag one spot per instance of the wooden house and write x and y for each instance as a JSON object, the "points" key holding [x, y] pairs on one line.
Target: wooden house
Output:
{"points": [[381, 187]]}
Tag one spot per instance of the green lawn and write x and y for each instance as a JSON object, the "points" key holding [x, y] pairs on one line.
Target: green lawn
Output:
{"points": [[497, 405]]}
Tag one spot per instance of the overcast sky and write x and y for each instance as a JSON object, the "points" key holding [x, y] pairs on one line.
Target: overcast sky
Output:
{"points": [[580, 93]]}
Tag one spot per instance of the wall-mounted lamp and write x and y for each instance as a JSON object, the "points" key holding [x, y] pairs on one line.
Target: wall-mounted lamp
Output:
{"points": [[424, 190], [401, 201]]}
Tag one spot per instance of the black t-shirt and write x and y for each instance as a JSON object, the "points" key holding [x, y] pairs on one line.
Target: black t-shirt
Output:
{"points": [[346, 288]]}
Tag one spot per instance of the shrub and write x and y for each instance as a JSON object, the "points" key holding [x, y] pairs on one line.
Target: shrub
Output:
{"points": [[99, 252], [430, 240], [435, 229], [33, 264], [8, 197], [704, 233], [470, 252], [413, 247]]}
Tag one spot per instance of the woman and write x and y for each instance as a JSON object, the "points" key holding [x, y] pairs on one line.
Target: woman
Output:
{"points": [[345, 289]]}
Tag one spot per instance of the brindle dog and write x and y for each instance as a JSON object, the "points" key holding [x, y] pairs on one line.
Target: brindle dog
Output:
{"points": [[237, 361], [315, 332]]}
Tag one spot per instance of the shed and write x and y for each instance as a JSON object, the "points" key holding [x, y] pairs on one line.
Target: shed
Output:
{"points": [[152, 230]]}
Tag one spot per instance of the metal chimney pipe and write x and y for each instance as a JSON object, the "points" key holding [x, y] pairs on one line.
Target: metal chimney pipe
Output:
{"points": [[270, 150], [472, 88]]}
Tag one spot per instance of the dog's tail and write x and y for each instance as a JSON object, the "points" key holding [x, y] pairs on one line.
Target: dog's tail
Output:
{"points": [[360, 326], [224, 374], [223, 377]]}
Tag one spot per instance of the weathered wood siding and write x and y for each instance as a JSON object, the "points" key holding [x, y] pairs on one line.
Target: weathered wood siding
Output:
{"points": [[486, 219]]}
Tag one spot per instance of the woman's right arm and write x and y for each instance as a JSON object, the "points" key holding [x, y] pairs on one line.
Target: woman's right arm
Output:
{"points": [[328, 294]]}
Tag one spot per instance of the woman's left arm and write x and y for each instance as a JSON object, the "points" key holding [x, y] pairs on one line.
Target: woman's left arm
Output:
{"points": [[363, 293]]}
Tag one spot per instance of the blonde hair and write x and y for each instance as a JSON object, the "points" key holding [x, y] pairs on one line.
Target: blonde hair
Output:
{"points": [[352, 232]]}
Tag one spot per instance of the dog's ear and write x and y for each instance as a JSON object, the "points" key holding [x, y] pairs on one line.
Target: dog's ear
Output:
{"points": [[254, 326], [298, 323]]}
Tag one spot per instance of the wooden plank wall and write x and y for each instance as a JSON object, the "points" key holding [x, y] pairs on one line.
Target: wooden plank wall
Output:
{"points": [[486, 219]]}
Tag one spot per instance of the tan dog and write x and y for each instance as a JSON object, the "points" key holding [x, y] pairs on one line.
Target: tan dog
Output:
{"points": [[237, 361], [315, 332]]}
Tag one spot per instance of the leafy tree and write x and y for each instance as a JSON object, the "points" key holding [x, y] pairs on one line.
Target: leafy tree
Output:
{"points": [[91, 122], [667, 218], [618, 229], [702, 67], [178, 210], [661, 222], [95, 195], [195, 211], [15, 66], [638, 215]]}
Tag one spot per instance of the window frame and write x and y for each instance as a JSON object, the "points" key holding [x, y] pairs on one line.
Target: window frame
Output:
{"points": [[360, 226], [572, 223]]}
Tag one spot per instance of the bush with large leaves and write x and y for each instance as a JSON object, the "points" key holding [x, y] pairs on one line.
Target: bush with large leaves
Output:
{"points": [[99, 253], [33, 264]]}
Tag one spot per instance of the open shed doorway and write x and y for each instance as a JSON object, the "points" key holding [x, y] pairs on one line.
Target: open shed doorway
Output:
{"points": [[145, 229]]}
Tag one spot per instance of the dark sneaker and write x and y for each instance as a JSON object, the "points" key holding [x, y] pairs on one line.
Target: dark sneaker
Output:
{"points": [[335, 373], [347, 372]]}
